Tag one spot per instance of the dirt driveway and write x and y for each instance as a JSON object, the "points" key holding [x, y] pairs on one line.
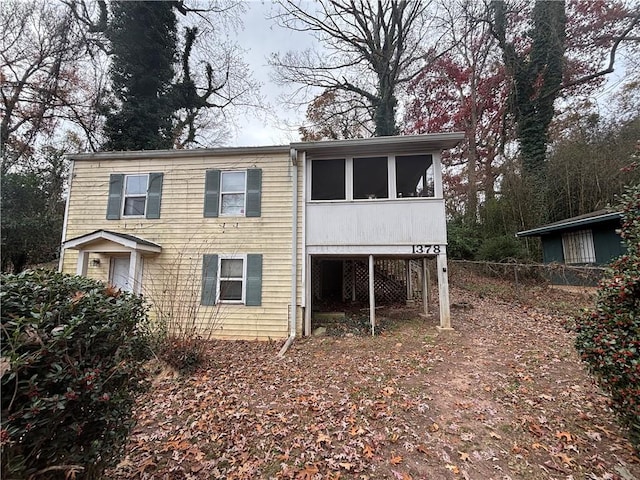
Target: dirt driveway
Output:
{"points": [[502, 397]]}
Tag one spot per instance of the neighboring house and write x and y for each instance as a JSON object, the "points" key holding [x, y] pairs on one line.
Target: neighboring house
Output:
{"points": [[590, 240], [232, 237]]}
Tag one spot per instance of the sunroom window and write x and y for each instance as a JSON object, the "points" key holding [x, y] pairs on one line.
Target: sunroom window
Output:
{"points": [[370, 177], [414, 176], [328, 179]]}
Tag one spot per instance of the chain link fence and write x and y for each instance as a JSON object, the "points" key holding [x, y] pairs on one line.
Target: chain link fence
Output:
{"points": [[521, 273]]}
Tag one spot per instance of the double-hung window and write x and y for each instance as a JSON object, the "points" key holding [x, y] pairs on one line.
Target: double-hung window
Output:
{"points": [[232, 188], [232, 278], [234, 193], [135, 195]]}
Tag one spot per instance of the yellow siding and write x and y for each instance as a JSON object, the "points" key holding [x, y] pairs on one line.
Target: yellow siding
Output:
{"points": [[185, 236]]}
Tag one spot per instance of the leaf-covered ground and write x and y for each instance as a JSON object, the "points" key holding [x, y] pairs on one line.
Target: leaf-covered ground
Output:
{"points": [[503, 397]]}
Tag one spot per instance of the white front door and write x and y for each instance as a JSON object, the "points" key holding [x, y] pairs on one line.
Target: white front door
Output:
{"points": [[120, 274]]}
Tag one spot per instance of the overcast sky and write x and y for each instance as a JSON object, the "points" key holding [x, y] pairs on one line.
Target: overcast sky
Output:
{"points": [[260, 38]]}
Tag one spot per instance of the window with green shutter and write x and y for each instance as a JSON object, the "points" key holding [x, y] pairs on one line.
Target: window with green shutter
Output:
{"points": [[232, 279], [233, 193], [137, 195]]}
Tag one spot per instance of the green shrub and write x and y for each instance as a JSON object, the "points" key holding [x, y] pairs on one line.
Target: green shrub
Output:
{"points": [[608, 338], [463, 240], [499, 249], [71, 361]]}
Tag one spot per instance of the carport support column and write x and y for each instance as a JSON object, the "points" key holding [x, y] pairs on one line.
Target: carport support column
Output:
{"points": [[443, 291], [372, 297], [407, 268], [425, 286], [83, 263]]}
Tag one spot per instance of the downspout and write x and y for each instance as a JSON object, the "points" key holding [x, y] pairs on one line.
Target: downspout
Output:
{"points": [[66, 217], [294, 254]]}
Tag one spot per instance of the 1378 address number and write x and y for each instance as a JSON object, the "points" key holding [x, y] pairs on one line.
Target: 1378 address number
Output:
{"points": [[426, 249]]}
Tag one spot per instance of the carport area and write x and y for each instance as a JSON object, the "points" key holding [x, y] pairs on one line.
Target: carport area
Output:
{"points": [[348, 286]]}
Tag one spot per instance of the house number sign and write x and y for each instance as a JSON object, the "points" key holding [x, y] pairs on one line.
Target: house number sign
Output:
{"points": [[426, 249]]}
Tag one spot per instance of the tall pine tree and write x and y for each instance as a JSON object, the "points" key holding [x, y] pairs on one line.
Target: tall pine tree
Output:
{"points": [[143, 38]]}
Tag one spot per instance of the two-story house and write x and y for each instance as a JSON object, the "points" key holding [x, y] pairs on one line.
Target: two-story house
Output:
{"points": [[233, 237]]}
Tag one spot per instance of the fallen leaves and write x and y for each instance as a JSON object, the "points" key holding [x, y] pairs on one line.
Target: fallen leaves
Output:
{"points": [[566, 436], [452, 468], [308, 473], [366, 408]]}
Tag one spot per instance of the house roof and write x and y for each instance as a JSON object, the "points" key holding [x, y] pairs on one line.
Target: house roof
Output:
{"points": [[124, 239], [579, 221], [396, 144], [196, 152], [358, 146]]}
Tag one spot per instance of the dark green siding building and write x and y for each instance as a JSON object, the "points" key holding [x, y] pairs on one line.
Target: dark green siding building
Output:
{"points": [[585, 241]]}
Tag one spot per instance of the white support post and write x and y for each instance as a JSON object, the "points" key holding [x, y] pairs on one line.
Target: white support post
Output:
{"points": [[407, 266], [443, 291], [83, 263], [135, 270], [372, 297], [309, 297], [425, 286]]}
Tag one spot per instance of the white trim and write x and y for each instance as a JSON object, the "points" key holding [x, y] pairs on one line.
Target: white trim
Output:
{"points": [[378, 250], [303, 280], [443, 292], [438, 191], [66, 217], [82, 243], [232, 256], [391, 178], [427, 141], [243, 193], [348, 179], [137, 195]]}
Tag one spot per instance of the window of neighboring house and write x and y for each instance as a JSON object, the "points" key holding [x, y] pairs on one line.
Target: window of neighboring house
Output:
{"points": [[328, 179], [135, 195], [414, 176], [232, 193], [578, 247], [231, 280], [370, 177]]}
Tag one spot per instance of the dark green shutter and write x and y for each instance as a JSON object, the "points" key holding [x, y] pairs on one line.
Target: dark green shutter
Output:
{"points": [[154, 195], [211, 193], [209, 279], [254, 280], [254, 192], [114, 203]]}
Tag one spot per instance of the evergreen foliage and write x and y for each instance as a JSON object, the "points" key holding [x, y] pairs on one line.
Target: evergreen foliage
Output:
{"points": [[537, 77], [32, 213], [143, 38], [608, 338], [71, 359]]}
